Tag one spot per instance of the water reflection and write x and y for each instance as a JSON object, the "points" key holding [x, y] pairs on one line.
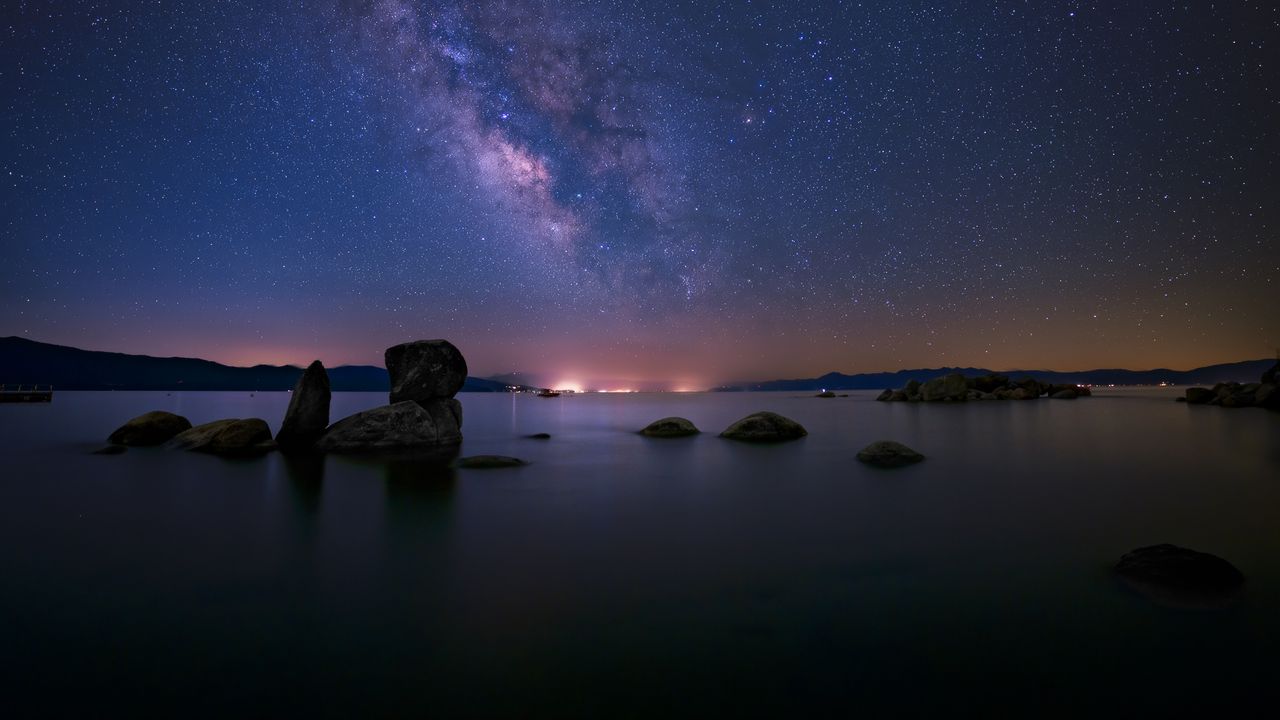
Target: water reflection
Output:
{"points": [[306, 478]]}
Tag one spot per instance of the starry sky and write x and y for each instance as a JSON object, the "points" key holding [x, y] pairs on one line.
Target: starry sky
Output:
{"points": [[681, 193]]}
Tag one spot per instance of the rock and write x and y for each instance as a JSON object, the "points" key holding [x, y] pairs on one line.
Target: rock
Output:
{"points": [[1269, 376], [230, 437], [670, 427], [153, 428], [1181, 576], [1268, 396], [425, 370], [1065, 394], [764, 427], [488, 462], [899, 395], [110, 450], [308, 413], [825, 394], [1021, 393], [1199, 396], [989, 383], [911, 388], [1239, 399], [885, 396], [889, 454], [539, 436], [404, 425], [947, 387]]}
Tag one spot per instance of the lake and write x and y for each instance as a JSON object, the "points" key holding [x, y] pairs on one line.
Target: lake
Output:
{"points": [[620, 576]]}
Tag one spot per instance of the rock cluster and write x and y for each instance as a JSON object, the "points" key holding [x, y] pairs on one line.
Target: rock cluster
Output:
{"points": [[425, 375], [1264, 394], [955, 387]]}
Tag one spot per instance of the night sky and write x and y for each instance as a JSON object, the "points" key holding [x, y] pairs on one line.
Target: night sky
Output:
{"points": [[611, 192]]}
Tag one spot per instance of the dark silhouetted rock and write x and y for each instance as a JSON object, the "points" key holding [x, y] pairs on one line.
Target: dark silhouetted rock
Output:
{"points": [[539, 436], [399, 426], [230, 437], [1065, 394], [1269, 375], [111, 450], [889, 454], [988, 383], [153, 428], [308, 414], [764, 427], [488, 462], [425, 370], [1180, 576], [825, 394], [885, 396], [1267, 396], [670, 427], [947, 387]]}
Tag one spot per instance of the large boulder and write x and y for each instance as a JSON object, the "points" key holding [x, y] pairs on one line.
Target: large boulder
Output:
{"points": [[308, 414], [670, 427], [425, 370], [764, 427], [1198, 395], [1180, 576], [403, 425], [947, 387], [889, 454], [989, 383], [154, 428], [230, 437]]}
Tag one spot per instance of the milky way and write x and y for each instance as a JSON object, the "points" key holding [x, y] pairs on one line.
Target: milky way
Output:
{"points": [[690, 192]]}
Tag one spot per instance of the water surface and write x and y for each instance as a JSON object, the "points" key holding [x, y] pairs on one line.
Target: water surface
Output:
{"points": [[621, 576]]}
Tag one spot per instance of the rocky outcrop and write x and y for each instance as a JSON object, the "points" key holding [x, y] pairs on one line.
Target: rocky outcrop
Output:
{"points": [[670, 427], [154, 428], [488, 462], [230, 437], [404, 425], [889, 454], [308, 414], [1181, 576], [825, 394], [764, 427], [1264, 394], [958, 388], [425, 370]]}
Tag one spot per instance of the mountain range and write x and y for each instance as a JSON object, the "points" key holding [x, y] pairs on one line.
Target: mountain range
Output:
{"points": [[24, 361], [1246, 371]]}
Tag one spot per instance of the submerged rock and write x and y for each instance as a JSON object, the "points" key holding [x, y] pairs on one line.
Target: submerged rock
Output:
{"points": [[488, 462], [764, 427], [539, 436], [889, 454], [308, 413], [229, 437], [670, 427], [400, 426], [1180, 576], [153, 428], [425, 370], [110, 450]]}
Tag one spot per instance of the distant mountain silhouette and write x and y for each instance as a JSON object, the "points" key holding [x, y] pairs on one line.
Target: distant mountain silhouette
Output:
{"points": [[67, 368], [1246, 371]]}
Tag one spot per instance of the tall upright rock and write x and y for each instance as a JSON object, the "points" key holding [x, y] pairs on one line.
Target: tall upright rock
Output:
{"points": [[308, 414]]}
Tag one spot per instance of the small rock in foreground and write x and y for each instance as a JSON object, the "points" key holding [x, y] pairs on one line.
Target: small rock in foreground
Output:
{"points": [[889, 454], [153, 428], [670, 427], [1179, 576], [110, 450], [488, 462], [764, 427], [539, 436]]}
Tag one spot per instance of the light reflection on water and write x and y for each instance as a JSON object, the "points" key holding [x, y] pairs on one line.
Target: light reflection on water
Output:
{"points": [[619, 575]]}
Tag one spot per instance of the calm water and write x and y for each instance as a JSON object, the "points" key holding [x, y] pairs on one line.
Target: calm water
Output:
{"points": [[622, 576]]}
